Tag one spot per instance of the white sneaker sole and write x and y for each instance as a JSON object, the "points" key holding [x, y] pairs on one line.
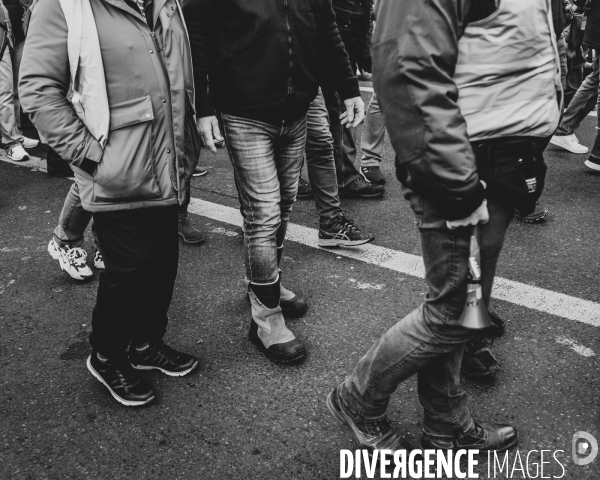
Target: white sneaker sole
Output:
{"points": [[23, 159], [560, 144], [593, 166], [334, 243], [52, 251], [122, 401], [167, 372]]}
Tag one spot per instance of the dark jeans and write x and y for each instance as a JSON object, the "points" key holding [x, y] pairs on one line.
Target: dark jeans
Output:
{"points": [[344, 145], [266, 161], [429, 341], [141, 251], [320, 162]]}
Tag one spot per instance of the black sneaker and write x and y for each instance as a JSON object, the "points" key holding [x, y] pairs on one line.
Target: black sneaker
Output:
{"points": [[122, 381], [304, 190], [478, 360], [593, 162], [373, 175], [483, 437], [342, 232], [159, 356], [370, 433], [539, 213], [360, 188]]}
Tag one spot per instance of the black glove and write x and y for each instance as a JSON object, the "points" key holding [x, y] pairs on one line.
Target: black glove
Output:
{"points": [[366, 65], [88, 166]]}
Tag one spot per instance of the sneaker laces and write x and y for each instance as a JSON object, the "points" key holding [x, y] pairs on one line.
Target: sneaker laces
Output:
{"points": [[77, 256], [362, 183], [345, 223]]}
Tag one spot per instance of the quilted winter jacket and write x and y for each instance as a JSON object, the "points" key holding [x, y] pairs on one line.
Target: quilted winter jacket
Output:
{"points": [[153, 142]]}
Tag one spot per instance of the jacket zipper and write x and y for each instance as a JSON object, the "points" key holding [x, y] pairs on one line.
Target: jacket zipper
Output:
{"points": [[289, 31]]}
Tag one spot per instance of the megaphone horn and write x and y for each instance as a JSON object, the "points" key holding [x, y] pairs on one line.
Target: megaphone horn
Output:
{"points": [[475, 315]]}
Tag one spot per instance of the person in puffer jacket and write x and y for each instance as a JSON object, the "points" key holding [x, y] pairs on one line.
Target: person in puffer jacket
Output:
{"points": [[130, 134]]}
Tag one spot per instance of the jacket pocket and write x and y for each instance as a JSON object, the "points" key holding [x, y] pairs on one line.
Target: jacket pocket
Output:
{"points": [[126, 171]]}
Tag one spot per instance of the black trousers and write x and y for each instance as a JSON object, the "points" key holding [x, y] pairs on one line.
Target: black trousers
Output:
{"points": [[141, 252]]}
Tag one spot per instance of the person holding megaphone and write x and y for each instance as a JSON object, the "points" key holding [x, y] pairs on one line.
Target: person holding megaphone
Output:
{"points": [[469, 109]]}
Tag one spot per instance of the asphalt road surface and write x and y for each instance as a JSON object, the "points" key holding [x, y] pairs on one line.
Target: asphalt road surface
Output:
{"points": [[239, 415]]}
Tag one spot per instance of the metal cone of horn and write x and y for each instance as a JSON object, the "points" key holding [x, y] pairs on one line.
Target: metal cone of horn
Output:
{"points": [[475, 315]]}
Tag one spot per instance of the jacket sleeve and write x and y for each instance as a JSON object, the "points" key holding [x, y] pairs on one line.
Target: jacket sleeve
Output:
{"points": [[415, 50], [44, 83], [338, 71], [198, 15]]}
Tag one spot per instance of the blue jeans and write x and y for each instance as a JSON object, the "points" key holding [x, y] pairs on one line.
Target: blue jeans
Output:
{"points": [[320, 162], [583, 102], [429, 341], [266, 162]]}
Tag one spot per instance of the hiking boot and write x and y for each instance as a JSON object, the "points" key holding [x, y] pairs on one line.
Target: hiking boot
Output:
{"points": [[304, 190], [72, 260], [360, 188], [478, 360], [17, 153], [159, 356], [342, 232], [370, 433], [539, 213], [189, 233], [292, 305], [122, 381], [268, 330], [373, 175], [483, 437], [98, 260], [568, 142]]}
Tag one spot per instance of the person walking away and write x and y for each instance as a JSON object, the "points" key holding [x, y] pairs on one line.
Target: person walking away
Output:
{"points": [[467, 137]]}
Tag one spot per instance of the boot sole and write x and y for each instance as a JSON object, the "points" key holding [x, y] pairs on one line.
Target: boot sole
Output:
{"points": [[275, 358], [166, 372], [482, 452], [363, 196], [122, 401], [197, 242], [532, 220], [326, 243]]}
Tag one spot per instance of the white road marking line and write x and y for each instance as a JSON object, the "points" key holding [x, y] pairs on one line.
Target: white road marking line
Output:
{"points": [[573, 345], [366, 286], [546, 301], [542, 300]]}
